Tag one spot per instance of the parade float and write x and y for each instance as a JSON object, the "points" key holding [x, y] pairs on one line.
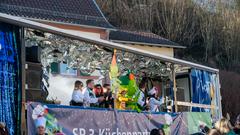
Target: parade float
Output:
{"points": [[123, 65]]}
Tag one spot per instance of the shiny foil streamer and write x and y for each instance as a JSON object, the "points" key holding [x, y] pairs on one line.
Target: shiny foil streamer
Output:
{"points": [[89, 57], [10, 86]]}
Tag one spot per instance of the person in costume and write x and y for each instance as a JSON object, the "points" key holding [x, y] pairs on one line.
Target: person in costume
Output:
{"points": [[44, 121], [41, 125], [121, 99], [155, 100], [78, 94], [128, 83], [90, 98]]}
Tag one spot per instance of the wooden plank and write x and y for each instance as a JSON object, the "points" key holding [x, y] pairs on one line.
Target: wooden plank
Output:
{"points": [[23, 78], [219, 98], [196, 105], [174, 87]]}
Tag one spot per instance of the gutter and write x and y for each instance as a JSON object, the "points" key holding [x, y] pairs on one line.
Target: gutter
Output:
{"points": [[148, 44], [70, 24]]}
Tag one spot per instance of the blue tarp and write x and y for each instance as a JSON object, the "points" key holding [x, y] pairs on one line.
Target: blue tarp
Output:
{"points": [[201, 81]]}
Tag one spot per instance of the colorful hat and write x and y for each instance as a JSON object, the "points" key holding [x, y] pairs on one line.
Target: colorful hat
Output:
{"points": [[41, 121]]}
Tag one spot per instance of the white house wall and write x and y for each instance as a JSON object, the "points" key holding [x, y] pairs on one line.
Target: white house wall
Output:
{"points": [[159, 50], [90, 34]]}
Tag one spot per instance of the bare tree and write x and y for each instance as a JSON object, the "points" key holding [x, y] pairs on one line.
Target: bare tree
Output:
{"points": [[212, 26]]}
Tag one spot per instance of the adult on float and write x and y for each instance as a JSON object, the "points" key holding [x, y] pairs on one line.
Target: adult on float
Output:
{"points": [[141, 94], [78, 94], [98, 90], [156, 100], [109, 101], [90, 99]]}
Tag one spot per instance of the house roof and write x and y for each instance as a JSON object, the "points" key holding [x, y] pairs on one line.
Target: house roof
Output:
{"points": [[80, 12], [46, 28], [144, 38]]}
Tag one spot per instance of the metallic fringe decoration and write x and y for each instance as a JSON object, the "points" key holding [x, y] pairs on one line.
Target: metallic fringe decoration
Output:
{"points": [[10, 81]]}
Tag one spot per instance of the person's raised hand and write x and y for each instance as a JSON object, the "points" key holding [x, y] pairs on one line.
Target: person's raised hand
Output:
{"points": [[100, 99]]}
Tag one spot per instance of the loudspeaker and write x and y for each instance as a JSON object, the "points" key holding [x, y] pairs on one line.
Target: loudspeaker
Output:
{"points": [[33, 54], [34, 90], [35, 95], [34, 75]]}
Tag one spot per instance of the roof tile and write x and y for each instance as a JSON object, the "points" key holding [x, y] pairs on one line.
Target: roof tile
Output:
{"points": [[82, 12], [142, 37]]}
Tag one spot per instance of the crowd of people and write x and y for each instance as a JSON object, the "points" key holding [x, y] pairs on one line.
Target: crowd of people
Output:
{"points": [[224, 127], [101, 96], [92, 95], [221, 127]]}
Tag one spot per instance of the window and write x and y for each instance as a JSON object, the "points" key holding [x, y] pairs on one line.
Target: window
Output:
{"points": [[61, 68]]}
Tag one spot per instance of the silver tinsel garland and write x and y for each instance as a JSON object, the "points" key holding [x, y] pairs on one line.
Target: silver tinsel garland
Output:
{"points": [[88, 57]]}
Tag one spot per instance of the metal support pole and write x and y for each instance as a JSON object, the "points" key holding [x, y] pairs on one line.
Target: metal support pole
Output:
{"points": [[174, 87], [219, 98]]}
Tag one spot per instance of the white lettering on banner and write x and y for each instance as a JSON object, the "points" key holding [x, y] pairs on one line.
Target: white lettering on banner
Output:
{"points": [[129, 133], [118, 133], [75, 131], [106, 131], [82, 131], [101, 131], [91, 131]]}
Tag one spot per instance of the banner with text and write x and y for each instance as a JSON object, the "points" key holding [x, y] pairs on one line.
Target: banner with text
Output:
{"points": [[68, 120]]}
